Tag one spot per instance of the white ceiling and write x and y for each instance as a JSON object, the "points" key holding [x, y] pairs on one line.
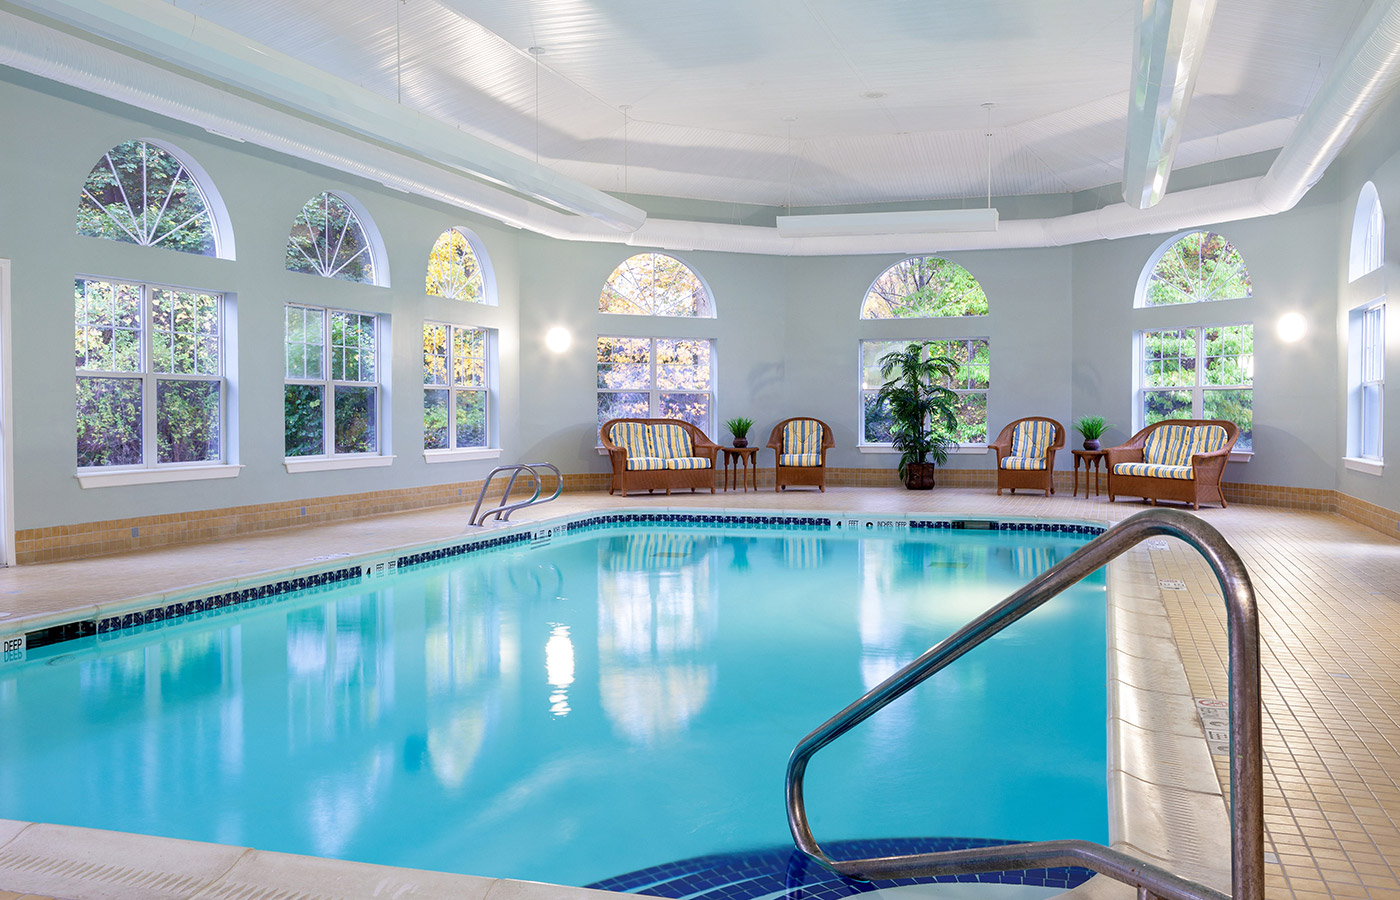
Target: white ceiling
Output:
{"points": [[808, 102]]}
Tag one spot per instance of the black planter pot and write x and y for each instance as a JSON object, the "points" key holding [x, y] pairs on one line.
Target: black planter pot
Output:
{"points": [[741, 442], [919, 476], [1091, 443]]}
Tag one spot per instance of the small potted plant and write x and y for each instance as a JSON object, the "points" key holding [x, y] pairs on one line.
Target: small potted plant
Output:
{"points": [[1091, 428], [739, 427], [922, 408]]}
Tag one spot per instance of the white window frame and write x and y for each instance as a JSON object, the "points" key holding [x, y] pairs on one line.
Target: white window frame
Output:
{"points": [[1367, 234], [328, 458], [654, 392], [1366, 375], [886, 447], [453, 453], [1198, 390], [150, 470]]}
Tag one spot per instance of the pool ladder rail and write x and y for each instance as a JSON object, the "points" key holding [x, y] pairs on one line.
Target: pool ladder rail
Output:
{"points": [[503, 509], [1246, 748]]}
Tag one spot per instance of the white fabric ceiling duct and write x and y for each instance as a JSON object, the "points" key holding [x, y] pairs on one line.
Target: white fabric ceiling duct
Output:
{"points": [[1368, 66]]}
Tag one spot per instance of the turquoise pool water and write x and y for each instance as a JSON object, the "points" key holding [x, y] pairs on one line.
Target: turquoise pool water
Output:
{"points": [[619, 699]]}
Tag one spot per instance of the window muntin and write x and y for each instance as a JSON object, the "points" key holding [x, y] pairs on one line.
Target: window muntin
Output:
{"points": [[333, 354], [924, 287], [455, 270], [1367, 234], [971, 383], [654, 284], [328, 239], [455, 388], [668, 378], [140, 193], [1366, 383], [1203, 372], [1196, 268], [150, 377]]}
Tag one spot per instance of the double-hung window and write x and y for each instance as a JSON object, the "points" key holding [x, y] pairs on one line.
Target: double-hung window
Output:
{"points": [[456, 389], [151, 389], [1204, 372], [1366, 377], [970, 383], [669, 378], [331, 403]]}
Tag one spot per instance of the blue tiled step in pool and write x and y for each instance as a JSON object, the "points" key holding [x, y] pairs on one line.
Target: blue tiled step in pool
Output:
{"points": [[786, 873]]}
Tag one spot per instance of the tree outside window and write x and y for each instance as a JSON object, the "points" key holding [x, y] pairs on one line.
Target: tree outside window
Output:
{"points": [[455, 391], [329, 240], [924, 287], [332, 383], [139, 193], [150, 378], [1204, 372], [654, 284], [971, 383], [454, 271], [669, 378], [1196, 268]]}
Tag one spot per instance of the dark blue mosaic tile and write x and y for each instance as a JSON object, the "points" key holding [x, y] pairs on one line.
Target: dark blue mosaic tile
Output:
{"points": [[786, 871]]}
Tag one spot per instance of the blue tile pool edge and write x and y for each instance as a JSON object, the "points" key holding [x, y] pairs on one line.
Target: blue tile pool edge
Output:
{"points": [[127, 616]]}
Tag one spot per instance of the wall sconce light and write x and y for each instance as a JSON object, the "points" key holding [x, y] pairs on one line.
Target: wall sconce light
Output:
{"points": [[1291, 327], [558, 339]]}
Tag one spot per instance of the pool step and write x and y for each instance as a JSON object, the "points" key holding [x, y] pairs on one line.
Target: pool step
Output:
{"points": [[784, 871]]}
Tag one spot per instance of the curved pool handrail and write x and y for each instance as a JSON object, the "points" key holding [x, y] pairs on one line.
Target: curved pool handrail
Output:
{"points": [[503, 509], [1246, 747]]}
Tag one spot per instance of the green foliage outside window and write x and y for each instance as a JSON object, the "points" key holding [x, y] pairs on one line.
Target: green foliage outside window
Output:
{"points": [[139, 193], [679, 387], [462, 350], [453, 269], [970, 380], [1199, 267], [924, 287], [327, 239], [304, 420], [654, 284], [1200, 373]]}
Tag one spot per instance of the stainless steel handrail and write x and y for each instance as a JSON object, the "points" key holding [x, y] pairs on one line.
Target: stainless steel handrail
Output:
{"points": [[1246, 749], [503, 510]]}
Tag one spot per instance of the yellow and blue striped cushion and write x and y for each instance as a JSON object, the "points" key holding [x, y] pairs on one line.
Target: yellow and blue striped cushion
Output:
{"points": [[1023, 462], [802, 436], [1169, 445], [1177, 473], [645, 463], [1208, 439], [1030, 440], [800, 459], [670, 441], [688, 462], [634, 437]]}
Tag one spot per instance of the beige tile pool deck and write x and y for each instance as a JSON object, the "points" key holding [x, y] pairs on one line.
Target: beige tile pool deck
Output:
{"points": [[1329, 593]]}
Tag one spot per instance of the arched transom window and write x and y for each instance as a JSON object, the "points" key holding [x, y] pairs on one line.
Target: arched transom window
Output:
{"points": [[329, 239], [142, 193], [1196, 268], [1367, 234], [455, 268], [654, 284], [924, 287]]}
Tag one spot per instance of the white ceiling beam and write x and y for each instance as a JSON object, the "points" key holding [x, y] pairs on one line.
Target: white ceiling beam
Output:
{"points": [[1169, 42]]}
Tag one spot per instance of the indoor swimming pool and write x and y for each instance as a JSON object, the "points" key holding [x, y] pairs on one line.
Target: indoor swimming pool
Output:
{"points": [[619, 699]]}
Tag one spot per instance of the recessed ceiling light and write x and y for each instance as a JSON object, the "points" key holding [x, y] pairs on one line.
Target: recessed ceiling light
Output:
{"points": [[874, 95], [535, 51]]}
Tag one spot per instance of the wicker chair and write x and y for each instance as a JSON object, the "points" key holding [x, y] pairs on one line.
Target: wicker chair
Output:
{"points": [[1025, 452], [649, 454], [800, 444], [1185, 463]]}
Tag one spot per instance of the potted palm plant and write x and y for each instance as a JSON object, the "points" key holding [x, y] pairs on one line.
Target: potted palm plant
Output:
{"points": [[739, 427], [922, 409]]}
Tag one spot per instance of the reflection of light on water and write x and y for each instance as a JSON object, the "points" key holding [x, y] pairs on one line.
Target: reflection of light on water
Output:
{"points": [[559, 668]]}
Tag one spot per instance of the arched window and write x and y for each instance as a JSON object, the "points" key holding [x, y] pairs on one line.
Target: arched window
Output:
{"points": [[458, 268], [1367, 234], [333, 237], [144, 193], [654, 284], [1194, 268], [924, 287]]}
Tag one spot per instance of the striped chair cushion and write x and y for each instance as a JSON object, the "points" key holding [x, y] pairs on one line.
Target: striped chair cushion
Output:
{"points": [[1030, 440], [1208, 439], [634, 437], [1177, 473], [802, 436], [1169, 445], [688, 462], [800, 459], [645, 463], [670, 441], [1023, 462]]}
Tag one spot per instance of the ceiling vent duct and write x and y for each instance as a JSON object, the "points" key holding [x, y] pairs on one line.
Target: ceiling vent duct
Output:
{"points": [[920, 221]]}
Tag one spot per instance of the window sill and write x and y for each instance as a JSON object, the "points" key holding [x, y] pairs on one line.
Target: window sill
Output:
{"points": [[960, 450], [330, 463], [155, 476], [447, 456], [1241, 456], [1369, 466]]}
